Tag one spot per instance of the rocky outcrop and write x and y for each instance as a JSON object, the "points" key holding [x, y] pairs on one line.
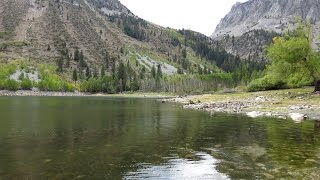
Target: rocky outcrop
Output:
{"points": [[251, 25], [271, 15]]}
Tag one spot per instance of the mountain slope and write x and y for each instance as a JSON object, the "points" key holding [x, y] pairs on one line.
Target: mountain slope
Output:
{"points": [[46, 31], [247, 21]]}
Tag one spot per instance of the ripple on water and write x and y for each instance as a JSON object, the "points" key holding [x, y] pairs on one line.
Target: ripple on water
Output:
{"points": [[185, 169]]}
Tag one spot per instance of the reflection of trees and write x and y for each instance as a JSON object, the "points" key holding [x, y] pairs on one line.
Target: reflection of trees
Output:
{"points": [[317, 127], [290, 143], [100, 138]]}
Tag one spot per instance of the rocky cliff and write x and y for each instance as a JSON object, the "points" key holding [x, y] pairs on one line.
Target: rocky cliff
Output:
{"points": [[270, 16]]}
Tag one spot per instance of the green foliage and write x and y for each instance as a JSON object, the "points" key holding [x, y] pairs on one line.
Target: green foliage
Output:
{"points": [[11, 85], [294, 62], [266, 83], [76, 56], [60, 65], [75, 75], [153, 72], [50, 81], [105, 84], [159, 72], [133, 27], [26, 84], [187, 83]]}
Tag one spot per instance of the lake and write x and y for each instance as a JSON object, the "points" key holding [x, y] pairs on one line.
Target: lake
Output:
{"points": [[128, 138]]}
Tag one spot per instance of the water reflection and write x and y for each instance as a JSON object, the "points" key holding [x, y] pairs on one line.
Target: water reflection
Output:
{"points": [[180, 169], [113, 138]]}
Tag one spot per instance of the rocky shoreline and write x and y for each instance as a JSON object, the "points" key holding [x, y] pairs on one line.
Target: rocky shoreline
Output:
{"points": [[40, 93], [290, 104], [34, 93]]}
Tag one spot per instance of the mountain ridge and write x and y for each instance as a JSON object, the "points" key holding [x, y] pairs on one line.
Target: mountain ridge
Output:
{"points": [[250, 26]]}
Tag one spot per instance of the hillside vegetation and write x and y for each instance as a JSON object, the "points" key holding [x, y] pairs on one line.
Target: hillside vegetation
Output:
{"points": [[294, 62], [103, 47]]}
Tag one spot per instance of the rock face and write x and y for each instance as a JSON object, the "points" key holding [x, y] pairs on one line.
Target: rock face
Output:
{"points": [[254, 23], [271, 15]]}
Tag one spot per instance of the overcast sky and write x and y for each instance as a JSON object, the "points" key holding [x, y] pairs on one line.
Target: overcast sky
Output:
{"points": [[199, 15]]}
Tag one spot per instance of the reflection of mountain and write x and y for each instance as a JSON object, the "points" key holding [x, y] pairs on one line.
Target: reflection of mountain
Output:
{"points": [[109, 137]]}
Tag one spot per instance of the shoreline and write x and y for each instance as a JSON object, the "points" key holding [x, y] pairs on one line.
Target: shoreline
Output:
{"points": [[30, 93], [296, 104]]}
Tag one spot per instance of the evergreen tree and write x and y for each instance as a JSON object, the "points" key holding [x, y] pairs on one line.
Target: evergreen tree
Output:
{"points": [[75, 75], [76, 56], [142, 72], [95, 73], [106, 59], [60, 65], [180, 71], [159, 72], [102, 73], [81, 57], [121, 76], [88, 73], [153, 72]]}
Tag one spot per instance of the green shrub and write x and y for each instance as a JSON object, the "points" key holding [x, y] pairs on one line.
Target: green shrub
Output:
{"points": [[11, 85], [104, 84], [50, 81], [266, 83], [26, 84]]}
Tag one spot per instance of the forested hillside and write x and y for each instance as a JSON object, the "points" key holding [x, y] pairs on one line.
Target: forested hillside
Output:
{"points": [[100, 46]]}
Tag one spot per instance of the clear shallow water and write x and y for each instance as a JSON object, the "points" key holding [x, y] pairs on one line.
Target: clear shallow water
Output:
{"points": [[117, 138]]}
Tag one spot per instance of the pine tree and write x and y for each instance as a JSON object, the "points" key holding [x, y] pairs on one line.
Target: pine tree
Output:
{"points": [[60, 65], [76, 56], [88, 73], [75, 75], [102, 73], [95, 73], [81, 56], [153, 72], [159, 72], [122, 76]]}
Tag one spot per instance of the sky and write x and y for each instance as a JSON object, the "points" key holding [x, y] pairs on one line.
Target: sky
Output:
{"points": [[198, 15]]}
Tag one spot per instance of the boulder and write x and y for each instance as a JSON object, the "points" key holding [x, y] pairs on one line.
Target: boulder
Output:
{"points": [[261, 99], [255, 114], [297, 117]]}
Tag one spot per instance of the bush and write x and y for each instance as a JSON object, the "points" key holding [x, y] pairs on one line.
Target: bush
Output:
{"points": [[52, 81], [26, 84], [11, 85], [104, 84], [266, 83]]}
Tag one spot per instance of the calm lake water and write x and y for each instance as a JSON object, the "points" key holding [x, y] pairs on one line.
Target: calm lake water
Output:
{"points": [[118, 138]]}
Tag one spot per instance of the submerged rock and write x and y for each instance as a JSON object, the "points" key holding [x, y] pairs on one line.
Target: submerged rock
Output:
{"points": [[255, 114], [297, 117]]}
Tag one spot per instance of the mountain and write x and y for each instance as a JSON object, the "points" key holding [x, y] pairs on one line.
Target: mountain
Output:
{"points": [[93, 39], [251, 25], [102, 30]]}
